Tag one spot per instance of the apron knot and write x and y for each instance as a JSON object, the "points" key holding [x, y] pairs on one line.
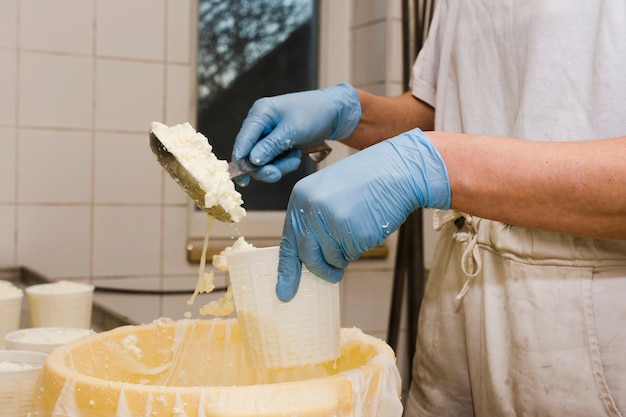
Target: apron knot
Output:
{"points": [[471, 261]]}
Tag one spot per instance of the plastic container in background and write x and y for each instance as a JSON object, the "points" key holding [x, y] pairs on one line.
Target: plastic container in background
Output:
{"points": [[19, 371], [44, 339], [301, 332], [60, 304], [10, 309]]}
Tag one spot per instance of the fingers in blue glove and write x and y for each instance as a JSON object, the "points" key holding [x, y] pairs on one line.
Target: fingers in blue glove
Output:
{"points": [[308, 248], [276, 170], [242, 181], [273, 172], [277, 124], [339, 212], [289, 267], [255, 126]]}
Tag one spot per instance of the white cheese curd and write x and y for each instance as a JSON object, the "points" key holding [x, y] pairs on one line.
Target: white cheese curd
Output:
{"points": [[206, 280], [193, 151], [8, 290], [219, 261], [129, 343], [225, 305], [222, 307], [49, 335], [60, 287], [8, 366]]}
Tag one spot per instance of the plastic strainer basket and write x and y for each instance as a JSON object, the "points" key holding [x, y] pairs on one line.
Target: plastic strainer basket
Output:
{"points": [[301, 332], [17, 386], [198, 368]]}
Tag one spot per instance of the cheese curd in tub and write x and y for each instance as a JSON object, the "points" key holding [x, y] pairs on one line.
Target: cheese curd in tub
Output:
{"points": [[206, 283]]}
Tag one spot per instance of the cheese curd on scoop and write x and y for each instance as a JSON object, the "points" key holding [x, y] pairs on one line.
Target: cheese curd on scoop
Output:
{"points": [[195, 154], [193, 151]]}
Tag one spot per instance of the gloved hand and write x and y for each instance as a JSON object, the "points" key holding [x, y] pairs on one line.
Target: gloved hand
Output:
{"points": [[341, 211], [277, 124]]}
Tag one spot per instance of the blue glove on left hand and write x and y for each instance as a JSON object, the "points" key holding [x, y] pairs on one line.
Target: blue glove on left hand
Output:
{"points": [[339, 212], [279, 124]]}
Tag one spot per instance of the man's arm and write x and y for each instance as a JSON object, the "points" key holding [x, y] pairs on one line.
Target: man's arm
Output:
{"points": [[573, 187], [576, 188], [386, 117]]}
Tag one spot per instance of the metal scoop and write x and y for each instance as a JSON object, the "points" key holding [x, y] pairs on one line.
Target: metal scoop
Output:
{"points": [[190, 184]]}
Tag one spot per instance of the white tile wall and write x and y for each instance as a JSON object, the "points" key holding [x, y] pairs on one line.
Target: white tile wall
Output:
{"points": [[179, 100], [370, 289], [369, 67], [132, 29], [55, 90], [54, 166], [175, 231], [8, 86], [7, 235], [129, 94], [127, 240], [173, 194], [54, 240], [8, 23], [367, 11], [124, 172], [394, 63], [180, 16], [60, 25], [81, 195], [8, 145], [377, 46]]}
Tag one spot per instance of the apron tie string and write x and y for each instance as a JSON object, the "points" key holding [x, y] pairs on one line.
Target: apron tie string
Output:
{"points": [[471, 261]]}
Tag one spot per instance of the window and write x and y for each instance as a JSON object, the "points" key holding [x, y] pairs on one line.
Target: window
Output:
{"points": [[328, 64], [249, 49]]}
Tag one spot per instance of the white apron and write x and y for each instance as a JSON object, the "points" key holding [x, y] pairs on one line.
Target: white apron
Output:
{"points": [[520, 322]]}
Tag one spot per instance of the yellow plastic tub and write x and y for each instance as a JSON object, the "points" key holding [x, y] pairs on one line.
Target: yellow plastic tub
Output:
{"points": [[198, 368]]}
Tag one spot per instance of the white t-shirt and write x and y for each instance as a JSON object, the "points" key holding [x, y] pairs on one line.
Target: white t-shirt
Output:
{"points": [[548, 70]]}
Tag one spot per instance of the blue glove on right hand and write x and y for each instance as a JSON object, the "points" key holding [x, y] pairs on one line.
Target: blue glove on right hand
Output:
{"points": [[341, 211], [277, 124]]}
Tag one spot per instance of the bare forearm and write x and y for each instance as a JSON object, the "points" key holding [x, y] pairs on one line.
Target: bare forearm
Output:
{"points": [[386, 117], [577, 188]]}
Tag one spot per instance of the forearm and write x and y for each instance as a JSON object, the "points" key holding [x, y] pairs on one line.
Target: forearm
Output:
{"points": [[577, 188], [386, 117]]}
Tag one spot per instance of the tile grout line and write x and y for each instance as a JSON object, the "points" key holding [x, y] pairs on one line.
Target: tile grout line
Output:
{"points": [[162, 213], [16, 169], [92, 209]]}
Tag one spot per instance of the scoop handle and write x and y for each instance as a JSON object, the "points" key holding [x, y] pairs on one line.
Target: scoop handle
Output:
{"points": [[317, 152]]}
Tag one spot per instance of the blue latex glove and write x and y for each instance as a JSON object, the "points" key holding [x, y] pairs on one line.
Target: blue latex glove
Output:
{"points": [[339, 212], [277, 124]]}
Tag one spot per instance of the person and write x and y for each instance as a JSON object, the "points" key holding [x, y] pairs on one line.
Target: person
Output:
{"points": [[515, 130]]}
